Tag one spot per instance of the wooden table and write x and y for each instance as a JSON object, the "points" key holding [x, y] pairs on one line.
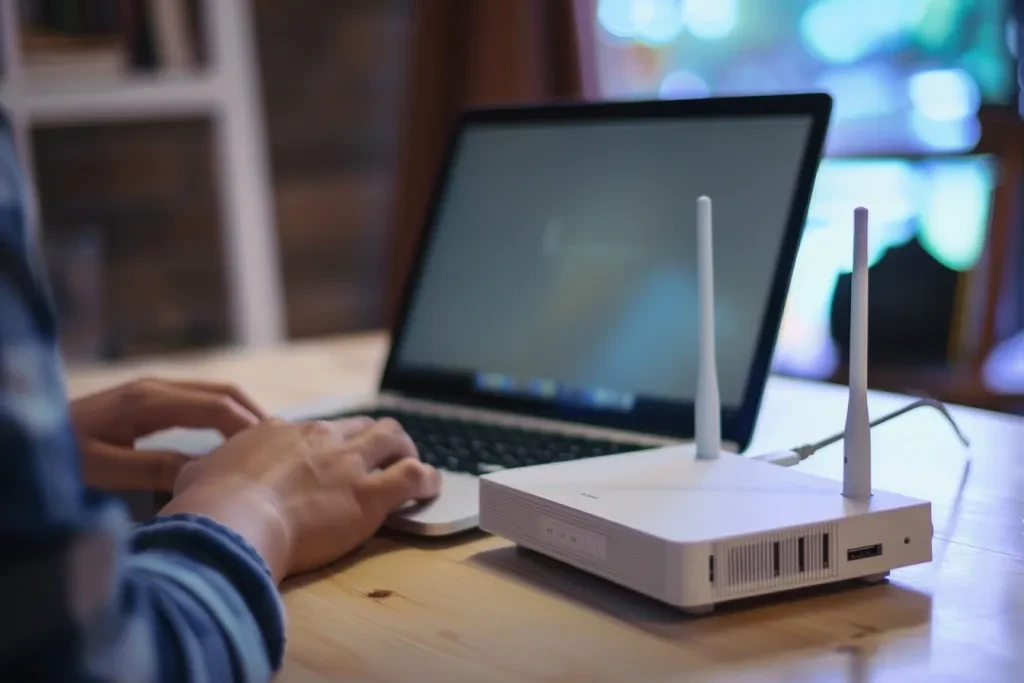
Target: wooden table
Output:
{"points": [[475, 609]]}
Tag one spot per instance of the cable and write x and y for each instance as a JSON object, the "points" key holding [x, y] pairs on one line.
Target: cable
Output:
{"points": [[799, 454], [810, 449]]}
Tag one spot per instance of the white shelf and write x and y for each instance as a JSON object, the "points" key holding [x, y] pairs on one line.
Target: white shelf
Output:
{"points": [[142, 97], [228, 92]]}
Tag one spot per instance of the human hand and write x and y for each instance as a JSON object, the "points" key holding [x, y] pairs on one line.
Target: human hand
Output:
{"points": [[305, 494], [109, 422]]}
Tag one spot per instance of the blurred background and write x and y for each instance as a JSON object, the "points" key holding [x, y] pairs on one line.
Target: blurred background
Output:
{"points": [[214, 172]]}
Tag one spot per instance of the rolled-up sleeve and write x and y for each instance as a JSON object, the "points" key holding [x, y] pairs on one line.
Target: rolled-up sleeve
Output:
{"points": [[87, 596]]}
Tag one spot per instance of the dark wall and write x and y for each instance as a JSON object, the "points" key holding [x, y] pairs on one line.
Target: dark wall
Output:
{"points": [[333, 76]]}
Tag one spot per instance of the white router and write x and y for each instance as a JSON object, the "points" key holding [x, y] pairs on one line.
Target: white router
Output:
{"points": [[693, 526]]}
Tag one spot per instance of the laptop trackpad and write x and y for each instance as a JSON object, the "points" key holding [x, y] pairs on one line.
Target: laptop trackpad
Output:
{"points": [[455, 510]]}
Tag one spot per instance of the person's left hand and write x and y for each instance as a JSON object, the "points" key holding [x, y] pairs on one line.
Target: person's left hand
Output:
{"points": [[109, 422]]}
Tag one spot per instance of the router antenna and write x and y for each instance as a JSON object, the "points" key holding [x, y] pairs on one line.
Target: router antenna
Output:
{"points": [[708, 406], [857, 442]]}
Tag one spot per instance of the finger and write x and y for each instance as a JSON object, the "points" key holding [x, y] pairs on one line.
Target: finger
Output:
{"points": [[383, 444], [388, 489], [223, 389], [114, 468], [166, 406]]}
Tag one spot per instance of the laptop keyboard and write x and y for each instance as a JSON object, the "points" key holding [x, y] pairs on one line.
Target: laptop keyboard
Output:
{"points": [[477, 448]]}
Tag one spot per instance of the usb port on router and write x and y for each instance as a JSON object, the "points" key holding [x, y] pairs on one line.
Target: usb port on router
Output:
{"points": [[864, 552]]}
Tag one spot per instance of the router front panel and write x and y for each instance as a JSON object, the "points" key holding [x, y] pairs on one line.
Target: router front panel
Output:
{"points": [[851, 548], [880, 542], [703, 573], [636, 561]]}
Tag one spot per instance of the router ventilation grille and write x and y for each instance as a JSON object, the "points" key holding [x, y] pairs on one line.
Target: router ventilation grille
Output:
{"points": [[785, 559]]}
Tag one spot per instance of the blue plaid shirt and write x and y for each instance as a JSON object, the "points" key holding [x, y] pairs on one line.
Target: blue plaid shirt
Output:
{"points": [[85, 596]]}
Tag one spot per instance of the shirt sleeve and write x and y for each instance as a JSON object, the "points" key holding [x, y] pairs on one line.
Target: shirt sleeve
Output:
{"points": [[86, 596]]}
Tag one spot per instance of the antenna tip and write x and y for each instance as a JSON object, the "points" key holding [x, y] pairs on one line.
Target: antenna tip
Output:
{"points": [[704, 199], [860, 221]]}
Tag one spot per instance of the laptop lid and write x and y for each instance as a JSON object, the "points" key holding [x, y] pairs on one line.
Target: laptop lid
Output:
{"points": [[556, 274]]}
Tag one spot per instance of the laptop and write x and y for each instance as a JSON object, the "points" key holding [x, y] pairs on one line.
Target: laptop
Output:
{"points": [[551, 310]]}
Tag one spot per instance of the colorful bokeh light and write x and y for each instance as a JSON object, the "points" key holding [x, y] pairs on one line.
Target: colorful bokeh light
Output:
{"points": [[908, 76], [944, 203], [1003, 372], [710, 19]]}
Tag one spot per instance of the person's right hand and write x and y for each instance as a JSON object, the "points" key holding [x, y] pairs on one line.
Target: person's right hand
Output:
{"points": [[305, 494]]}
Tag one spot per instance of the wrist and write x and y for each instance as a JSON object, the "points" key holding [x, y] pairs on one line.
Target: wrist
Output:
{"points": [[250, 511]]}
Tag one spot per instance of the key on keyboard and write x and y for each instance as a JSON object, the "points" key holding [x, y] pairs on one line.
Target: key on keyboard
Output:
{"points": [[474, 447]]}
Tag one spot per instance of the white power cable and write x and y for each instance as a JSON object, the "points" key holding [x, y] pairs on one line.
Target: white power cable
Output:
{"points": [[796, 455], [801, 453]]}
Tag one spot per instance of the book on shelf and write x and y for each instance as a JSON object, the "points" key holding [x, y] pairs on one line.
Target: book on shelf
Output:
{"points": [[71, 39], [95, 39]]}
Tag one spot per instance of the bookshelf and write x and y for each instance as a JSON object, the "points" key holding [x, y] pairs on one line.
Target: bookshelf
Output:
{"points": [[226, 89]]}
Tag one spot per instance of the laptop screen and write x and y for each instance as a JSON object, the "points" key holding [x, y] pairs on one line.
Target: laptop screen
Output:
{"points": [[562, 262]]}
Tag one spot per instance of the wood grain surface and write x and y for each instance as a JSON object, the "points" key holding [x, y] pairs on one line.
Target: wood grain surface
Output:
{"points": [[476, 609]]}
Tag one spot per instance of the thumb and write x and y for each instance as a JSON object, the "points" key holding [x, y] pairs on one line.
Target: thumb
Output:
{"points": [[406, 480], [126, 469]]}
